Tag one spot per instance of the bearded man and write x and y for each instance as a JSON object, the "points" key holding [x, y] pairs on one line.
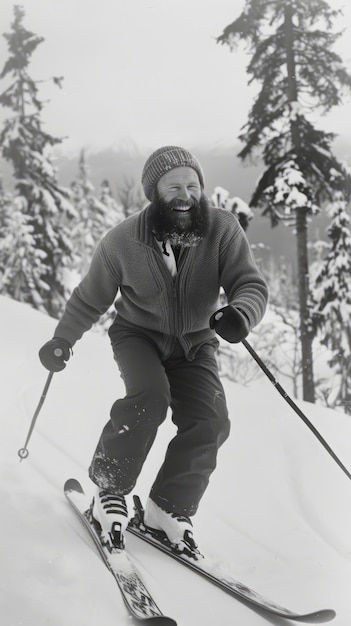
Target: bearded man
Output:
{"points": [[168, 262]]}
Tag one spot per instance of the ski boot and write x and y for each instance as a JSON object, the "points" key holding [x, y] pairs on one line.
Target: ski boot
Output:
{"points": [[109, 513], [175, 530]]}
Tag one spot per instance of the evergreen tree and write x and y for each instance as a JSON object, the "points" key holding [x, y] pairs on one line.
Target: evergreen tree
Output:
{"points": [[21, 262], [220, 198], [5, 202], [115, 211], [45, 205], [131, 197], [332, 298], [292, 57], [95, 216]]}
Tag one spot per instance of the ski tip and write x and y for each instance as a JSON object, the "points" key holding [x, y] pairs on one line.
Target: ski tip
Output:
{"points": [[159, 620], [319, 617], [72, 484], [329, 614]]}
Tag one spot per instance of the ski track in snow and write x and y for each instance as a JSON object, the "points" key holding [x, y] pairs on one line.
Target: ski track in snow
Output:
{"points": [[277, 513]]}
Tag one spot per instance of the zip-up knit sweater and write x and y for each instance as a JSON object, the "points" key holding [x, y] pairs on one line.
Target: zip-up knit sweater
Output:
{"points": [[129, 261]]}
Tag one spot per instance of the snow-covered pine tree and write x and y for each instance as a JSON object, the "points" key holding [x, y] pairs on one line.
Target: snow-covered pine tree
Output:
{"points": [[292, 58], [5, 202], [332, 299], [220, 198], [130, 196], [115, 211], [22, 264], [95, 215], [45, 205]]}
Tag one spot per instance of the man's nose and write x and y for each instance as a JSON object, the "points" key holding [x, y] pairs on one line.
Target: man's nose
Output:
{"points": [[184, 193]]}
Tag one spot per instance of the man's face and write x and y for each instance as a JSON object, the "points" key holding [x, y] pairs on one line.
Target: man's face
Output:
{"points": [[179, 208], [181, 183]]}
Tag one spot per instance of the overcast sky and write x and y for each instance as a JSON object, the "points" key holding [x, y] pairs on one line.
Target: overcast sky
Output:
{"points": [[145, 71]]}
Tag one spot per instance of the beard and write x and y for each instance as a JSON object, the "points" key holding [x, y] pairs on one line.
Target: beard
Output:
{"points": [[181, 223]]}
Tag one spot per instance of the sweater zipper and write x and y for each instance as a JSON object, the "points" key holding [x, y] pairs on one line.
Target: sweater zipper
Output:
{"points": [[173, 303], [171, 290], [173, 299], [174, 306]]}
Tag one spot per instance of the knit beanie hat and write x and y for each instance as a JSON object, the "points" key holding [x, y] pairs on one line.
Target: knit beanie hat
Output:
{"points": [[163, 160]]}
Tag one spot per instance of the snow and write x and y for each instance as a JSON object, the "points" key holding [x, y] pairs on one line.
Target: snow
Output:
{"points": [[295, 109], [220, 198], [277, 513]]}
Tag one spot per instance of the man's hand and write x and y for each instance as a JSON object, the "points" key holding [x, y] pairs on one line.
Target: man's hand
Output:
{"points": [[54, 354], [230, 323]]}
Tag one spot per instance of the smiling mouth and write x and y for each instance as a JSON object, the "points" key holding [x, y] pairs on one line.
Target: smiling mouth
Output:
{"points": [[181, 209]]}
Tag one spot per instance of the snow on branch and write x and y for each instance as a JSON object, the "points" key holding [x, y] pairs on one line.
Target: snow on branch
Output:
{"points": [[235, 205], [290, 191]]}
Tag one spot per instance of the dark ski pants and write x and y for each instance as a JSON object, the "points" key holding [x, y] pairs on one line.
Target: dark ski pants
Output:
{"points": [[195, 394]]}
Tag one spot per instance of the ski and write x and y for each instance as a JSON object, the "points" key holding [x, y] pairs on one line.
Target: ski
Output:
{"points": [[203, 566], [137, 598]]}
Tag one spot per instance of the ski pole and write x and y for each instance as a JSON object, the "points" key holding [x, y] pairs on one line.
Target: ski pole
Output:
{"points": [[23, 452], [294, 406]]}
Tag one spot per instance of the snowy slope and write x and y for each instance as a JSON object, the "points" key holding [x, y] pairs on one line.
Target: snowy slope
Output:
{"points": [[277, 512]]}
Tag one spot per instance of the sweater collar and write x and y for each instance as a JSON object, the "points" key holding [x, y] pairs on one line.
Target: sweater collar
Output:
{"points": [[143, 232]]}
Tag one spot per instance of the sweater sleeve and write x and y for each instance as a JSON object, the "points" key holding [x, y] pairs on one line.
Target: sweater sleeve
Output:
{"points": [[241, 279], [90, 299]]}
